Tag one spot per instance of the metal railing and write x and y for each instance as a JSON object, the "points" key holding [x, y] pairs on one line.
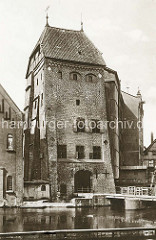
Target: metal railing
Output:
{"points": [[134, 190], [84, 190]]}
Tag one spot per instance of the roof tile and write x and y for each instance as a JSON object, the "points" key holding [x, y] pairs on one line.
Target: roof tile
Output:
{"points": [[69, 45]]}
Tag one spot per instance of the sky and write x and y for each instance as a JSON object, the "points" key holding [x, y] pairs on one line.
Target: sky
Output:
{"points": [[123, 30]]}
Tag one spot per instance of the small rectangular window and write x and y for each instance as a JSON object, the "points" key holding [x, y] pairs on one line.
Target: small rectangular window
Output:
{"points": [[80, 125], [9, 112], [42, 99], [95, 126], [43, 188], [90, 78], [77, 102], [2, 106], [13, 123], [96, 152], [60, 75], [151, 163], [9, 183], [74, 76], [10, 142], [80, 152], [62, 151]]}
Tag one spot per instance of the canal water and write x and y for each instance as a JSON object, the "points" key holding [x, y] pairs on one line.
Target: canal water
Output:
{"points": [[19, 220]]}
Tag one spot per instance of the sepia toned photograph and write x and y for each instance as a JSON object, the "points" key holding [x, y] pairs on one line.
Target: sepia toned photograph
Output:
{"points": [[77, 119]]}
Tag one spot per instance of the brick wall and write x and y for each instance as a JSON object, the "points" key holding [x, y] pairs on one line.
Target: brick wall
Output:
{"points": [[11, 159], [60, 104]]}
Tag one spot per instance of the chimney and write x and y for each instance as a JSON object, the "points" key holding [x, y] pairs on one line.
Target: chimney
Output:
{"points": [[152, 137]]}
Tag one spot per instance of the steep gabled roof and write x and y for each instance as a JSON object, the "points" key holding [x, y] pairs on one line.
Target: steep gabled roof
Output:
{"points": [[69, 45], [132, 102], [9, 99]]}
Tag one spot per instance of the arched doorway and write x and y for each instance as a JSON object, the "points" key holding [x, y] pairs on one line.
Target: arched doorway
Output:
{"points": [[82, 180]]}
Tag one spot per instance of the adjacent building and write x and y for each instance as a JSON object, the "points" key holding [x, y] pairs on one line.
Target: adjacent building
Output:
{"points": [[132, 171], [11, 152]]}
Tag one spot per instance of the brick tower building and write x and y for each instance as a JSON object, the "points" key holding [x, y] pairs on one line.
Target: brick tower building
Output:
{"points": [[66, 151]]}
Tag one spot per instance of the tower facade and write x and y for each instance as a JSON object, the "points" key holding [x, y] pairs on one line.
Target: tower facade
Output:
{"points": [[67, 142]]}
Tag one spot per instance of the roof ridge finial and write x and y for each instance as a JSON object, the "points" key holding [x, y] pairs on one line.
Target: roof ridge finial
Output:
{"points": [[81, 23], [47, 17], [139, 92]]}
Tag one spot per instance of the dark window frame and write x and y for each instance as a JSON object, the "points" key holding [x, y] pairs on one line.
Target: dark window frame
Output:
{"points": [[75, 76], [80, 152], [96, 129], [10, 142], [96, 152], [9, 183], [78, 123], [90, 77], [60, 74], [62, 151], [77, 102], [43, 188]]}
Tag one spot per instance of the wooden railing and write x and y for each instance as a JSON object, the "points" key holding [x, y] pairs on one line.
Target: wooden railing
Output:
{"points": [[90, 234]]}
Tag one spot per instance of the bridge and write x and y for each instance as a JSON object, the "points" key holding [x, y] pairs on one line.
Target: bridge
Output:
{"points": [[132, 202], [130, 198], [83, 234]]}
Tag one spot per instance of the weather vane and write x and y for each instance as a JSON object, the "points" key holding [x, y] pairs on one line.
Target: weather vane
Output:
{"points": [[47, 24], [81, 23]]}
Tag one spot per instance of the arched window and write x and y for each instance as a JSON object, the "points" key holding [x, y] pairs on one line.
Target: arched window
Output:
{"points": [[10, 145], [43, 188], [75, 76], [90, 77], [9, 183]]}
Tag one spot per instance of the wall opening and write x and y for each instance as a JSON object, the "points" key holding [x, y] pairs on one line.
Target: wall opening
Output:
{"points": [[82, 181]]}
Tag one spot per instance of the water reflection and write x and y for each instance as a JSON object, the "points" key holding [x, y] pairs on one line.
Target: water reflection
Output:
{"points": [[13, 220]]}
